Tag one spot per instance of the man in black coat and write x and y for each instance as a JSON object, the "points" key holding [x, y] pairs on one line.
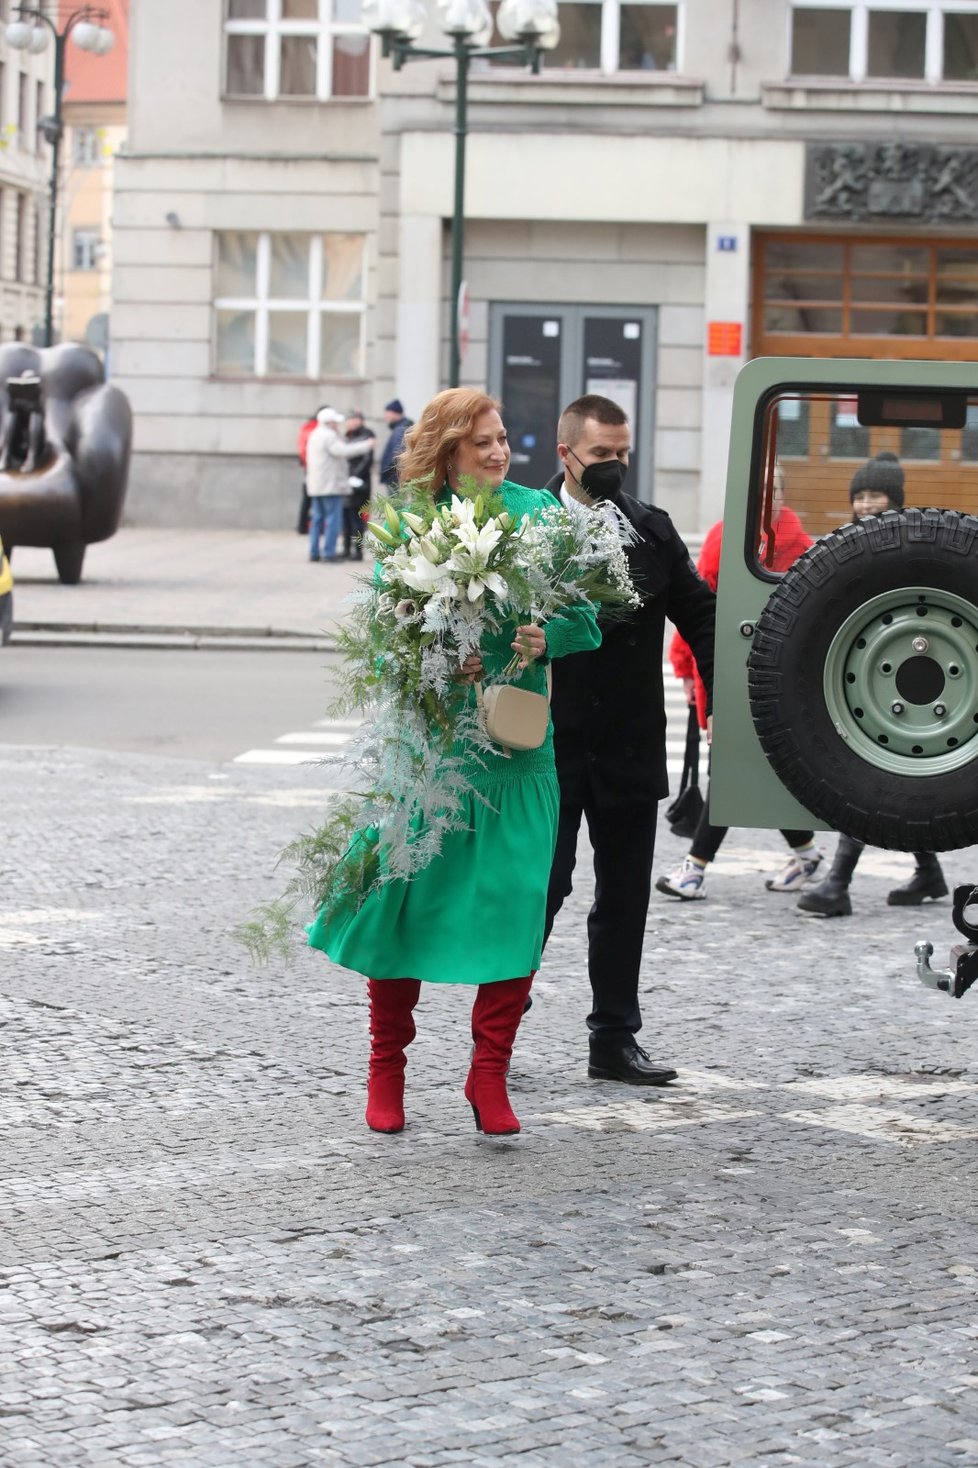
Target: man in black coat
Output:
{"points": [[610, 734], [398, 422], [359, 494]]}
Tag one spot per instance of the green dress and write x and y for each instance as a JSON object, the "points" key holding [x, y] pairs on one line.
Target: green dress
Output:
{"points": [[476, 914]]}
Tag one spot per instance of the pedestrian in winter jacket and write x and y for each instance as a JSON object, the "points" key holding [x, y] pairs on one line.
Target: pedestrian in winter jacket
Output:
{"points": [[305, 432], [328, 455], [358, 486], [880, 485], [778, 549], [398, 423]]}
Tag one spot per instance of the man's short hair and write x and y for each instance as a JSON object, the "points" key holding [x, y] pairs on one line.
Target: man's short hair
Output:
{"points": [[591, 405]]}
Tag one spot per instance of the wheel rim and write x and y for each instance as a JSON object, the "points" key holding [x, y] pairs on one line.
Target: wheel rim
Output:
{"points": [[901, 681]]}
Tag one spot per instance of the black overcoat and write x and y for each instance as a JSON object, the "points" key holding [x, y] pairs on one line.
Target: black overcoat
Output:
{"points": [[608, 705]]}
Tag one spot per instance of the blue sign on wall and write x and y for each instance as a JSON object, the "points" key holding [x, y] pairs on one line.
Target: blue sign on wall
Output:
{"points": [[726, 242]]}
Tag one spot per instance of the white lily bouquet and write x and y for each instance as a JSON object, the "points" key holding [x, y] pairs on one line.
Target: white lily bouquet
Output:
{"points": [[448, 575]]}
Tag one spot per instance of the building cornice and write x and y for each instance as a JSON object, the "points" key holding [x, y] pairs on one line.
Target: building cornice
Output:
{"points": [[214, 155], [811, 95]]}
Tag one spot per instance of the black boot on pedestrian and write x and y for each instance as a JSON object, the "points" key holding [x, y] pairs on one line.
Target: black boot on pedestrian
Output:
{"points": [[927, 881], [831, 897]]}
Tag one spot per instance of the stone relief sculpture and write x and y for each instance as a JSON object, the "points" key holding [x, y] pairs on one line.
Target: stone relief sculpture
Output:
{"points": [[65, 441], [918, 181]]}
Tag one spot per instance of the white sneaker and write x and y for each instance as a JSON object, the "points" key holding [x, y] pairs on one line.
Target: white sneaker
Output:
{"points": [[686, 882], [796, 871]]}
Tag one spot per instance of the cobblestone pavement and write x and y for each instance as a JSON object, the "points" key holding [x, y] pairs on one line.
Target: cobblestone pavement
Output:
{"points": [[206, 1259]]}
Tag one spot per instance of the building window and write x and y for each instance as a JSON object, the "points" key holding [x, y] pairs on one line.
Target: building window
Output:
{"points": [[289, 305], [616, 36], [38, 245], [84, 249], [612, 36], [20, 229], [23, 136], [886, 40], [850, 296], [279, 49], [86, 146]]}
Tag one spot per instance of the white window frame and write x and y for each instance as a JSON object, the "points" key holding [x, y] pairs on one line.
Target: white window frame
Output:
{"points": [[273, 28], [611, 39], [86, 147], [88, 239], [859, 32], [262, 304]]}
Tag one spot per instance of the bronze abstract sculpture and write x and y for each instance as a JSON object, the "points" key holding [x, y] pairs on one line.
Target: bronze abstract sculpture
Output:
{"points": [[65, 440]]}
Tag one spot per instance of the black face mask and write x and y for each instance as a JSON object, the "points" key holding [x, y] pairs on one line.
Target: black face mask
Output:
{"points": [[604, 480]]}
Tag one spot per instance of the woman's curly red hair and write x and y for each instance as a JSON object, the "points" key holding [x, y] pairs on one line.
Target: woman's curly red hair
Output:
{"points": [[444, 422]]}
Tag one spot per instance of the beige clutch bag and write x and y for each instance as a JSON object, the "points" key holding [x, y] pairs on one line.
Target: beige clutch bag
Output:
{"points": [[515, 717]]}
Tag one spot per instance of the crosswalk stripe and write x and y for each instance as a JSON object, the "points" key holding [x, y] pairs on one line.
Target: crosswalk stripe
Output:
{"points": [[283, 757], [332, 737], [327, 738]]}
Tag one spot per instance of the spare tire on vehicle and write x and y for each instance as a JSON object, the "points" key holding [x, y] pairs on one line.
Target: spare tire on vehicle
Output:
{"points": [[863, 680]]}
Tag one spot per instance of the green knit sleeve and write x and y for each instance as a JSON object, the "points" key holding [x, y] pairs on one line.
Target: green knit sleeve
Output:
{"points": [[574, 629]]}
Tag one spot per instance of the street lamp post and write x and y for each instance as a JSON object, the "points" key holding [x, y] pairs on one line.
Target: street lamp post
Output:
{"points": [[532, 27], [29, 32]]}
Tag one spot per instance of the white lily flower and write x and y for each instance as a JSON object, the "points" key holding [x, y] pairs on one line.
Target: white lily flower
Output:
{"points": [[429, 550], [422, 575], [463, 511], [496, 584], [475, 589], [480, 540], [446, 590]]}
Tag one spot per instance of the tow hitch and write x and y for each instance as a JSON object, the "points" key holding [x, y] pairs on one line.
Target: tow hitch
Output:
{"points": [[963, 971]]}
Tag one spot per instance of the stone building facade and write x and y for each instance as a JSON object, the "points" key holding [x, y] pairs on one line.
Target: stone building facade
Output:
{"points": [[26, 96], [94, 111], [683, 186]]}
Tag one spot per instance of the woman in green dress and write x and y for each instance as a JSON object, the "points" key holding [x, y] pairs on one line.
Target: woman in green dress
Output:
{"points": [[476, 914]]}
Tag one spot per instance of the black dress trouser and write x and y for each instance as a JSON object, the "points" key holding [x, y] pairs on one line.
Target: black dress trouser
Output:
{"points": [[623, 838]]}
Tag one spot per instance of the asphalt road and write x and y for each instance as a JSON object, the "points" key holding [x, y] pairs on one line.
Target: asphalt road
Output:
{"points": [[193, 704]]}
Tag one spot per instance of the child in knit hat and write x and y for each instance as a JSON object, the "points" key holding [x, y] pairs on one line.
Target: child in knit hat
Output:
{"points": [[877, 486]]}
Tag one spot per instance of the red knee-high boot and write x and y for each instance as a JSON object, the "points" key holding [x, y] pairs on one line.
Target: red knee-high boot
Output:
{"points": [[496, 1016], [391, 1030]]}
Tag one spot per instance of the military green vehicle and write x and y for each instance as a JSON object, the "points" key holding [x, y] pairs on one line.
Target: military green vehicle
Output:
{"points": [[846, 686]]}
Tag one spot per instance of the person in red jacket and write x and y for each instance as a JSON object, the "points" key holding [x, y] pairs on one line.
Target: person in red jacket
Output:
{"points": [[301, 446], [688, 881]]}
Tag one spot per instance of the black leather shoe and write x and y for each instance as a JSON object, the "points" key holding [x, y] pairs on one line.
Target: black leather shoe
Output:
{"points": [[628, 1062]]}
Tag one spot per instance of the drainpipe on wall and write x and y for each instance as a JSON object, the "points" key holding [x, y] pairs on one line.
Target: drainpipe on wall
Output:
{"points": [[733, 50]]}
